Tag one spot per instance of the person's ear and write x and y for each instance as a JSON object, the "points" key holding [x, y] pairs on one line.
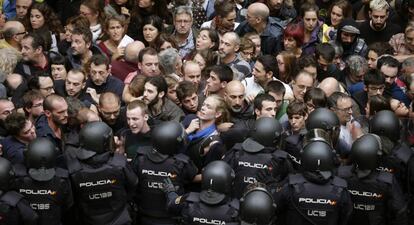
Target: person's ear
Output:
{"points": [[161, 94]]}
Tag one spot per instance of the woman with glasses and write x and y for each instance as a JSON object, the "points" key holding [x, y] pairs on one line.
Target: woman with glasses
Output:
{"points": [[93, 11]]}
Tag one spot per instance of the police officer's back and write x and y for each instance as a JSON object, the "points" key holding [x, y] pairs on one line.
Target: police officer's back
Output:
{"points": [[256, 153], [213, 205], [314, 196], [376, 195], [14, 209], [155, 163], [46, 187], [102, 180]]}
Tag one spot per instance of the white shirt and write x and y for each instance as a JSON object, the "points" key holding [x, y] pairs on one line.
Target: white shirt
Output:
{"points": [[253, 88]]}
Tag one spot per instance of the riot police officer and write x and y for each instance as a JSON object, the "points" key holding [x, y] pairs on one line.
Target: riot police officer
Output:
{"points": [[101, 179], [14, 209], [376, 195], [314, 196], [397, 157], [256, 153], [213, 205], [319, 119], [257, 205], [46, 187], [153, 164]]}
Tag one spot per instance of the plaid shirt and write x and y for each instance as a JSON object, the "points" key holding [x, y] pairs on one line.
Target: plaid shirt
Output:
{"points": [[397, 42]]}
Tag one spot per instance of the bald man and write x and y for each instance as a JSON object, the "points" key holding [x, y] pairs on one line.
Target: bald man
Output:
{"points": [[234, 95], [110, 111], [122, 66], [228, 48], [270, 29], [13, 32]]}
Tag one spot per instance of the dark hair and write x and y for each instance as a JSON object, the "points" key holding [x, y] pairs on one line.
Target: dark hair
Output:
{"points": [[214, 36], [296, 107], [388, 61], [163, 37], [223, 8], [269, 64], [326, 51], [52, 21], [146, 51], [159, 82], [97, 7], [260, 98], [37, 41], [185, 89], [29, 97], [156, 22], [99, 59], [85, 32], [381, 48], [306, 61], [275, 87], [15, 123], [378, 103], [223, 72], [317, 96], [344, 5], [307, 7], [78, 21], [59, 60], [333, 99], [373, 78]]}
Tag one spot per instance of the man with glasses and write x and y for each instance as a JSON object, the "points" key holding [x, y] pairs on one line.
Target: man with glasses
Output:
{"points": [[13, 33], [341, 104], [183, 30], [389, 69], [301, 83], [374, 84]]}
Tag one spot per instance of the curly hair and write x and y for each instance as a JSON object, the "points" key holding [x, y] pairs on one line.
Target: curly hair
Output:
{"points": [[52, 22]]}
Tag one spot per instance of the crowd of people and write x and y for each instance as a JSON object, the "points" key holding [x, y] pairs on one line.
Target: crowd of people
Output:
{"points": [[253, 110]]}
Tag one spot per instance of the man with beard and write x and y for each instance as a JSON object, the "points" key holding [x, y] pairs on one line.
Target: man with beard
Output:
{"points": [[228, 48], [348, 38], [139, 132], [160, 107], [21, 133], [34, 59], [325, 55], [55, 116], [111, 112], [388, 66], [234, 96], [101, 79], [74, 86], [82, 48], [6, 108], [377, 29]]}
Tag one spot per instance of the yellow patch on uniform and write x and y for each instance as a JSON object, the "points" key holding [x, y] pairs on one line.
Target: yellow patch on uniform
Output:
{"points": [[178, 200]]}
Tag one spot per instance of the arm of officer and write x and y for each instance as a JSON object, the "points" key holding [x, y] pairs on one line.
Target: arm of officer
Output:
{"points": [[175, 203], [28, 215], [398, 204], [131, 180]]}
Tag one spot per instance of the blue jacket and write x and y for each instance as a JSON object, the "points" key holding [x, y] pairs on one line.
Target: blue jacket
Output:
{"points": [[13, 150], [271, 37]]}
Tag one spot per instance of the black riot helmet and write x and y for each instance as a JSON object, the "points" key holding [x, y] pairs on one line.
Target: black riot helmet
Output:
{"points": [[257, 205], [168, 137], [365, 152], [266, 131], [322, 118], [318, 156], [217, 182], [385, 124], [40, 159], [95, 138], [6, 174]]}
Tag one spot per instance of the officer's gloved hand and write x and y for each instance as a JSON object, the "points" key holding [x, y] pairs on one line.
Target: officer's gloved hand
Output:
{"points": [[168, 186]]}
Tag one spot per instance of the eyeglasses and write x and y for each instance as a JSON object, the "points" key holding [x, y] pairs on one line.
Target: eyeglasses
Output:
{"points": [[348, 109], [183, 21], [24, 33], [378, 88]]}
